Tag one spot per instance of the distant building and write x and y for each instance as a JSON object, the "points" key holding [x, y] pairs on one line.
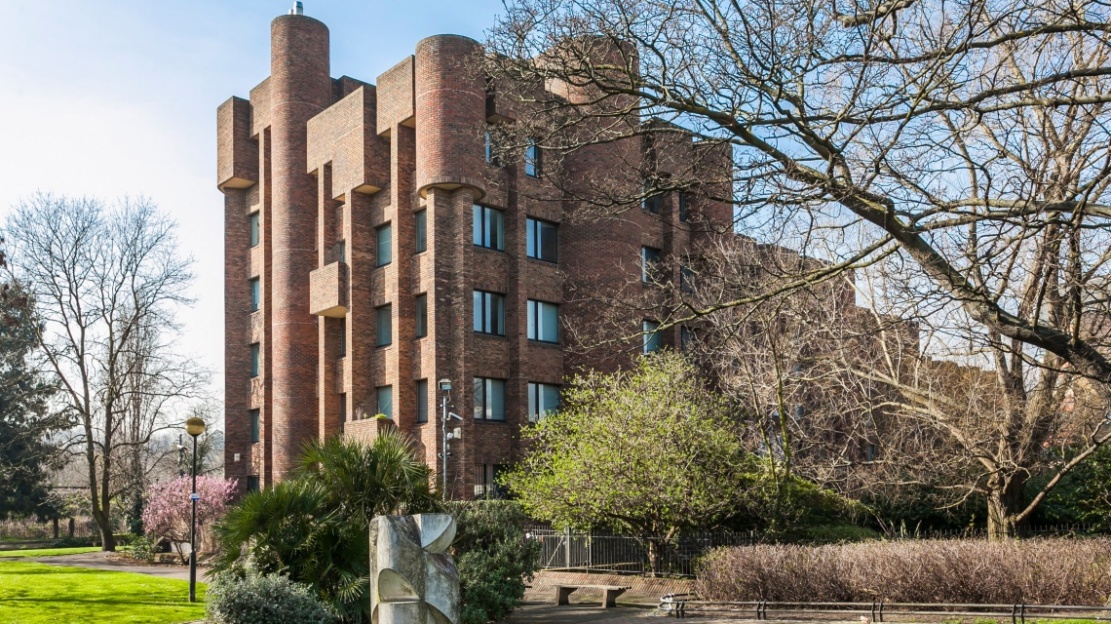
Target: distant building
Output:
{"points": [[374, 246]]}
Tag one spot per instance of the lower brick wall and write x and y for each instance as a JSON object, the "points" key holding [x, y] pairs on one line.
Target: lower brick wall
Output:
{"points": [[642, 589]]}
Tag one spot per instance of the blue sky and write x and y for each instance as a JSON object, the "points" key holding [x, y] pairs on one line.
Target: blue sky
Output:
{"points": [[119, 97]]}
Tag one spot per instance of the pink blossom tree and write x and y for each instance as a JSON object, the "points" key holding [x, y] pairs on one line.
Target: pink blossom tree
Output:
{"points": [[168, 509]]}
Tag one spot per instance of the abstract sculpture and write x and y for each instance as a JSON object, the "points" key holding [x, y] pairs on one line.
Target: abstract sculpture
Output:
{"points": [[412, 578]]}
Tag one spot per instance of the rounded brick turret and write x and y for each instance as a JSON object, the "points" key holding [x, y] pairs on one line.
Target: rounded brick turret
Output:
{"points": [[450, 113], [300, 88]]}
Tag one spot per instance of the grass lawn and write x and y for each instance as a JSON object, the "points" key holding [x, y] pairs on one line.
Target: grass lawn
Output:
{"points": [[48, 552], [36, 593]]}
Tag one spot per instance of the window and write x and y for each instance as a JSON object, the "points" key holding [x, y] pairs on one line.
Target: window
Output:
{"points": [[252, 483], [649, 264], [422, 316], [652, 201], [651, 332], [383, 318], [532, 159], [341, 346], [422, 231], [343, 407], [385, 401], [384, 253], [489, 228], [255, 356], [254, 426], [339, 251], [684, 206], [256, 294], [543, 400], [489, 399], [543, 321], [422, 400], [541, 240], [486, 478], [491, 152], [686, 279], [253, 220], [489, 313], [686, 338]]}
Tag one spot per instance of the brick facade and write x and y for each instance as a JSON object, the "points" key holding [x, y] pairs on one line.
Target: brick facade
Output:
{"points": [[325, 165]]}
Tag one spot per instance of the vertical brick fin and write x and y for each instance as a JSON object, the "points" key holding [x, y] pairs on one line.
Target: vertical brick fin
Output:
{"points": [[237, 356], [395, 97], [451, 114], [300, 88], [236, 153], [713, 167]]}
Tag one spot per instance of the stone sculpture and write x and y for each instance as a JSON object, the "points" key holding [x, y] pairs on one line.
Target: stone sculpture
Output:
{"points": [[412, 578]]}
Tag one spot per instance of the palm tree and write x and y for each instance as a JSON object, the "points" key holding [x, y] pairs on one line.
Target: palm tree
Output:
{"points": [[314, 527]]}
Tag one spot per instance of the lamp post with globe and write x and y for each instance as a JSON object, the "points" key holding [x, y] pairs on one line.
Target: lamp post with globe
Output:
{"points": [[194, 427]]}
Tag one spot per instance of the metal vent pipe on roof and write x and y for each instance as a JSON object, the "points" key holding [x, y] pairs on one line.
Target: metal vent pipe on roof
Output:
{"points": [[298, 8]]}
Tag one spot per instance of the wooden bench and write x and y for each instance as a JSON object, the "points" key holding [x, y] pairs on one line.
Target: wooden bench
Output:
{"points": [[609, 593]]}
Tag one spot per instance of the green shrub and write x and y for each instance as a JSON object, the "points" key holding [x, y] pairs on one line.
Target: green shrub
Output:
{"points": [[142, 548], [72, 542], [493, 557], [259, 599]]}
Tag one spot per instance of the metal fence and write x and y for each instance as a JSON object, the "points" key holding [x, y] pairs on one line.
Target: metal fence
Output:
{"points": [[29, 529], [623, 554], [590, 552]]}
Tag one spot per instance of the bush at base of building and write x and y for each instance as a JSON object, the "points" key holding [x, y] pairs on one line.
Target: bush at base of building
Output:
{"points": [[1057, 571], [251, 598], [493, 557]]}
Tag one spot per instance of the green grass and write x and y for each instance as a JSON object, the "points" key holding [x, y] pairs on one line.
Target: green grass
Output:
{"points": [[36, 593], [47, 552]]}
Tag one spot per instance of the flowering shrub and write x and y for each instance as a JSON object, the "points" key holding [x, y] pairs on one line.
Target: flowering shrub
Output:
{"points": [[168, 510]]}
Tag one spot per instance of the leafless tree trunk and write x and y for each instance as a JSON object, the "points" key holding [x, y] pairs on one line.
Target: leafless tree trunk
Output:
{"points": [[106, 282]]}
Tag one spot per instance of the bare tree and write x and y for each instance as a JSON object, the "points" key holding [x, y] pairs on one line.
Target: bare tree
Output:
{"points": [[106, 282], [960, 150]]}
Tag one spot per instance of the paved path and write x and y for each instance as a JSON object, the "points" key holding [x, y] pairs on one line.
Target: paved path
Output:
{"points": [[101, 561]]}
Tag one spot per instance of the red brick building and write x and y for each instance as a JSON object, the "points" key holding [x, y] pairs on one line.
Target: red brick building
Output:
{"points": [[374, 247]]}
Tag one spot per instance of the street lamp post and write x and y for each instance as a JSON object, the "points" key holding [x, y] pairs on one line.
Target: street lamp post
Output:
{"points": [[447, 436], [194, 427]]}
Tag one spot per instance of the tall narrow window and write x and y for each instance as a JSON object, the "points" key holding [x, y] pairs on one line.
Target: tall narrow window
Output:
{"points": [[489, 313], [256, 293], [491, 150], [686, 279], [339, 251], [422, 316], [686, 338], [385, 401], [384, 255], [653, 201], [341, 338], [489, 228], [383, 317], [343, 407], [543, 400], [422, 400], [543, 321], [254, 225], [489, 398], [252, 483], [255, 426], [422, 230], [256, 355], [532, 159], [684, 206], [651, 331], [649, 264], [541, 240]]}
